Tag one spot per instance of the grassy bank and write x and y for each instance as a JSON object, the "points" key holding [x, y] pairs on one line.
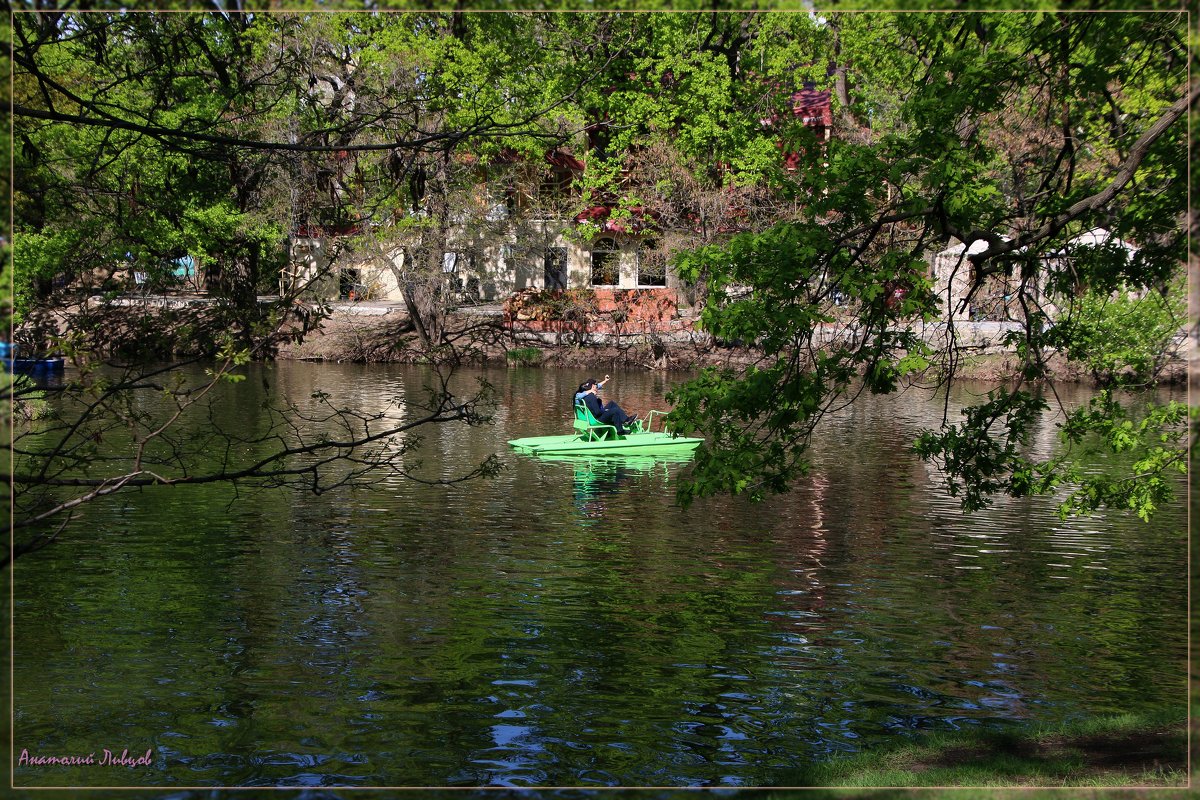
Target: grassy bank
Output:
{"points": [[1130, 750]]}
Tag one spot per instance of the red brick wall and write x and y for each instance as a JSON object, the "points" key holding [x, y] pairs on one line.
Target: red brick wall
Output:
{"points": [[613, 311]]}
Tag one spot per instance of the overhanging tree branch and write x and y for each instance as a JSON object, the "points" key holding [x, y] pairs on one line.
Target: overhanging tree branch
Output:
{"points": [[485, 130], [998, 247]]}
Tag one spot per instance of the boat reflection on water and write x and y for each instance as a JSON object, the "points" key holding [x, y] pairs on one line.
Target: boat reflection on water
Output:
{"points": [[600, 476]]}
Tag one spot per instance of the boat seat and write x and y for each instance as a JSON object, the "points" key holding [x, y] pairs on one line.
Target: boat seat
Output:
{"points": [[590, 428]]}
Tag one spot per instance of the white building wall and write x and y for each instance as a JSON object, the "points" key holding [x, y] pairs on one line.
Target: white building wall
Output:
{"points": [[579, 266], [628, 264], [952, 271], [504, 261], [952, 279]]}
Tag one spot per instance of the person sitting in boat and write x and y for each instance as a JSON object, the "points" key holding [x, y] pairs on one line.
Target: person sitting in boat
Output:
{"points": [[608, 413], [585, 387]]}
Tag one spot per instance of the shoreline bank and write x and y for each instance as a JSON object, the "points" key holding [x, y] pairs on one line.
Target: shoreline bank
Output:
{"points": [[367, 333], [360, 334]]}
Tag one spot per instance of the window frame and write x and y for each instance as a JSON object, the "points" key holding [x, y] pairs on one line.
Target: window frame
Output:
{"points": [[561, 267], [609, 256], [649, 244]]}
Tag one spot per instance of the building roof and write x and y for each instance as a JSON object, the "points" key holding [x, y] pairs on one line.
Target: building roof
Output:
{"points": [[564, 160], [1097, 237], [813, 106], [977, 246]]}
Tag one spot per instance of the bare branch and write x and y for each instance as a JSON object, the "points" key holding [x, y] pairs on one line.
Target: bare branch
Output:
{"points": [[998, 247]]}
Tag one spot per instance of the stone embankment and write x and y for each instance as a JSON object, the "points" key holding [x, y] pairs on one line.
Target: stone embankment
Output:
{"points": [[381, 332]]}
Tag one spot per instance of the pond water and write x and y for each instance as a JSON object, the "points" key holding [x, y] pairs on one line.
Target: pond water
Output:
{"points": [[565, 624]]}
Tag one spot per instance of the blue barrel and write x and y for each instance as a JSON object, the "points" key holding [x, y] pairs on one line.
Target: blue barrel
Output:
{"points": [[34, 366]]}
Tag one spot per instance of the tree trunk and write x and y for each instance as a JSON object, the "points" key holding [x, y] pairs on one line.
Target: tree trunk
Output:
{"points": [[408, 288]]}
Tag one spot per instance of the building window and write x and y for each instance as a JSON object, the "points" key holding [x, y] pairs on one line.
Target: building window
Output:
{"points": [[651, 264], [554, 267], [606, 263], [453, 264]]}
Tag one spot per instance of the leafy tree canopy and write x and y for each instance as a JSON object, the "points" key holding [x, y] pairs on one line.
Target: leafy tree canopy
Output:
{"points": [[140, 138], [1015, 134]]}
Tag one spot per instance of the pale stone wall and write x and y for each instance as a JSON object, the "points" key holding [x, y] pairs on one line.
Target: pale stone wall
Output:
{"points": [[500, 259], [952, 279]]}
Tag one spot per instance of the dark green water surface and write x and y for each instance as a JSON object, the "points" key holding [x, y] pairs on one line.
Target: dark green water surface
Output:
{"points": [[565, 624]]}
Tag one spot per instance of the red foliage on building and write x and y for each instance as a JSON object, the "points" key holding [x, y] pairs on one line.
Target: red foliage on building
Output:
{"points": [[641, 219]]}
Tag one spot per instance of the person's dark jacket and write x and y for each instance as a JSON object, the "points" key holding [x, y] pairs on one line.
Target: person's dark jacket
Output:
{"points": [[594, 405], [608, 413]]}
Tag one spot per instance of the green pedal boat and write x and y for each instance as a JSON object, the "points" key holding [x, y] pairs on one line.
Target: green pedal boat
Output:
{"points": [[593, 436]]}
